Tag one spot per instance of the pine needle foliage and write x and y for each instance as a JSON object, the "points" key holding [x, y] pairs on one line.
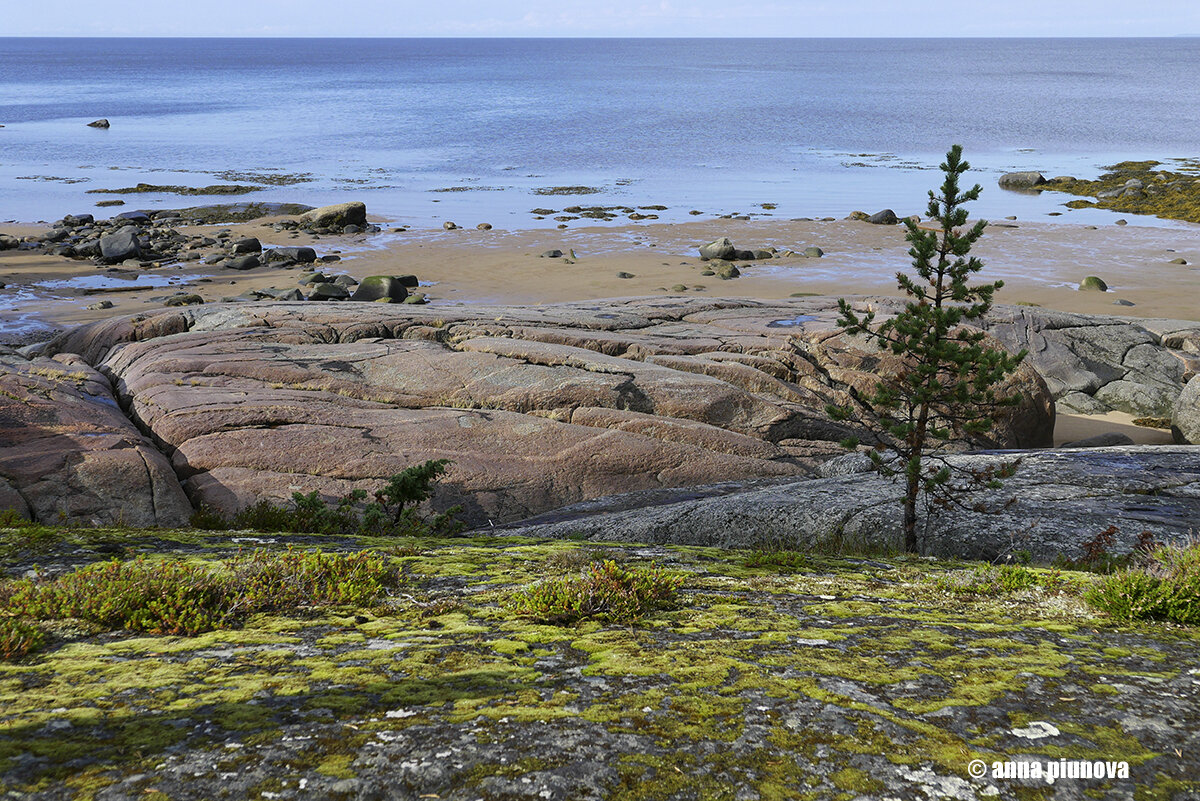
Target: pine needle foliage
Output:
{"points": [[947, 385]]}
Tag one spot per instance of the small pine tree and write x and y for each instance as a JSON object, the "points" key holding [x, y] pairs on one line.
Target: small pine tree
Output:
{"points": [[948, 381]]}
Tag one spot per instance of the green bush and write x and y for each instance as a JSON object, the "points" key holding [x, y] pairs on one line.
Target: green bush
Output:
{"points": [[180, 597], [785, 560], [1167, 588], [18, 638], [1002, 580], [393, 512], [605, 591]]}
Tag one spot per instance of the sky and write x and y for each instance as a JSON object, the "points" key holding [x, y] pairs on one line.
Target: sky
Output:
{"points": [[571, 18]]}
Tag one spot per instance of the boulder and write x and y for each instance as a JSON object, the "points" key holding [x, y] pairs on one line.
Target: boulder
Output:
{"points": [[813, 252], [303, 255], [375, 287], [1185, 419], [1021, 180], [329, 290], [247, 262], [248, 245], [719, 249], [1106, 440], [101, 123], [551, 254], [68, 455], [337, 215], [139, 217], [1093, 283], [885, 217], [121, 245]]}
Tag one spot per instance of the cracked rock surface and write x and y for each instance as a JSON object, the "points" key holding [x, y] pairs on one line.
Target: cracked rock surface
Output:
{"points": [[68, 453], [541, 407]]}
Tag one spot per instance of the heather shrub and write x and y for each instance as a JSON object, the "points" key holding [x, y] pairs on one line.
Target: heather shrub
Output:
{"points": [[180, 597], [1166, 587], [604, 591], [18, 638]]}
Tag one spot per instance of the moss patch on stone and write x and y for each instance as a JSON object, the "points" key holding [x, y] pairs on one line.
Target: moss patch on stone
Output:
{"points": [[785, 676], [1172, 195]]}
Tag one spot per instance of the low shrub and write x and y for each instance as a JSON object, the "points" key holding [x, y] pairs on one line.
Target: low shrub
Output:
{"points": [[605, 591], [179, 597], [393, 512], [1002, 580], [18, 638], [786, 560], [1167, 588]]}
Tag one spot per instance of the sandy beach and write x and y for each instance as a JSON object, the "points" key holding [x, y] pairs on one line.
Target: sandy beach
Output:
{"points": [[1040, 263]]}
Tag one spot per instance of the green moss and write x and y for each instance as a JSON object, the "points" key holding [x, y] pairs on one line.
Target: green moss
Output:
{"points": [[1166, 194]]}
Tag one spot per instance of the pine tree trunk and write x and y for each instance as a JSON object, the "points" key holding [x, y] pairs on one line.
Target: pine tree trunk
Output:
{"points": [[910, 514]]}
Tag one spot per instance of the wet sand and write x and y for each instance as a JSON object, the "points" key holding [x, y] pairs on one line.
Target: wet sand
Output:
{"points": [[1040, 263]]}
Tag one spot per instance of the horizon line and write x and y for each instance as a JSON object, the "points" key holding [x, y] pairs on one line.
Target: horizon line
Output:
{"points": [[578, 36]]}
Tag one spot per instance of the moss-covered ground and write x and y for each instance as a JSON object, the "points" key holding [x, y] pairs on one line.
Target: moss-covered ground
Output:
{"points": [[772, 678], [1170, 194]]}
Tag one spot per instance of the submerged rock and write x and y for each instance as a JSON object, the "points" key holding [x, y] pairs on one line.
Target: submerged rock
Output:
{"points": [[1021, 180]]}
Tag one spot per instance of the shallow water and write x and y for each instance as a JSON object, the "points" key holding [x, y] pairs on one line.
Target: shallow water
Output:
{"points": [[816, 127]]}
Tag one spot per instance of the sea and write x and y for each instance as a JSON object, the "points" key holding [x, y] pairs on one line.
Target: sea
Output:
{"points": [[489, 130]]}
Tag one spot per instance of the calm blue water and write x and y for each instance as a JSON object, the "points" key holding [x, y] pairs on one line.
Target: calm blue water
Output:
{"points": [[818, 127]]}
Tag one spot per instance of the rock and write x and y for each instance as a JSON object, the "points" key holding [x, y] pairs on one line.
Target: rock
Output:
{"points": [[283, 294], [1185, 417], [337, 215], [9, 242], [1054, 504], [353, 229], [329, 291], [346, 281], [1107, 440], [374, 287], [100, 305], [1179, 260], [1094, 284], [101, 123], [247, 262], [719, 249], [885, 217], [1021, 180], [121, 245], [860, 216], [727, 271], [551, 254], [303, 255], [70, 455], [1097, 363], [184, 299], [623, 274], [139, 217], [813, 252], [763, 255], [248, 245], [537, 407]]}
